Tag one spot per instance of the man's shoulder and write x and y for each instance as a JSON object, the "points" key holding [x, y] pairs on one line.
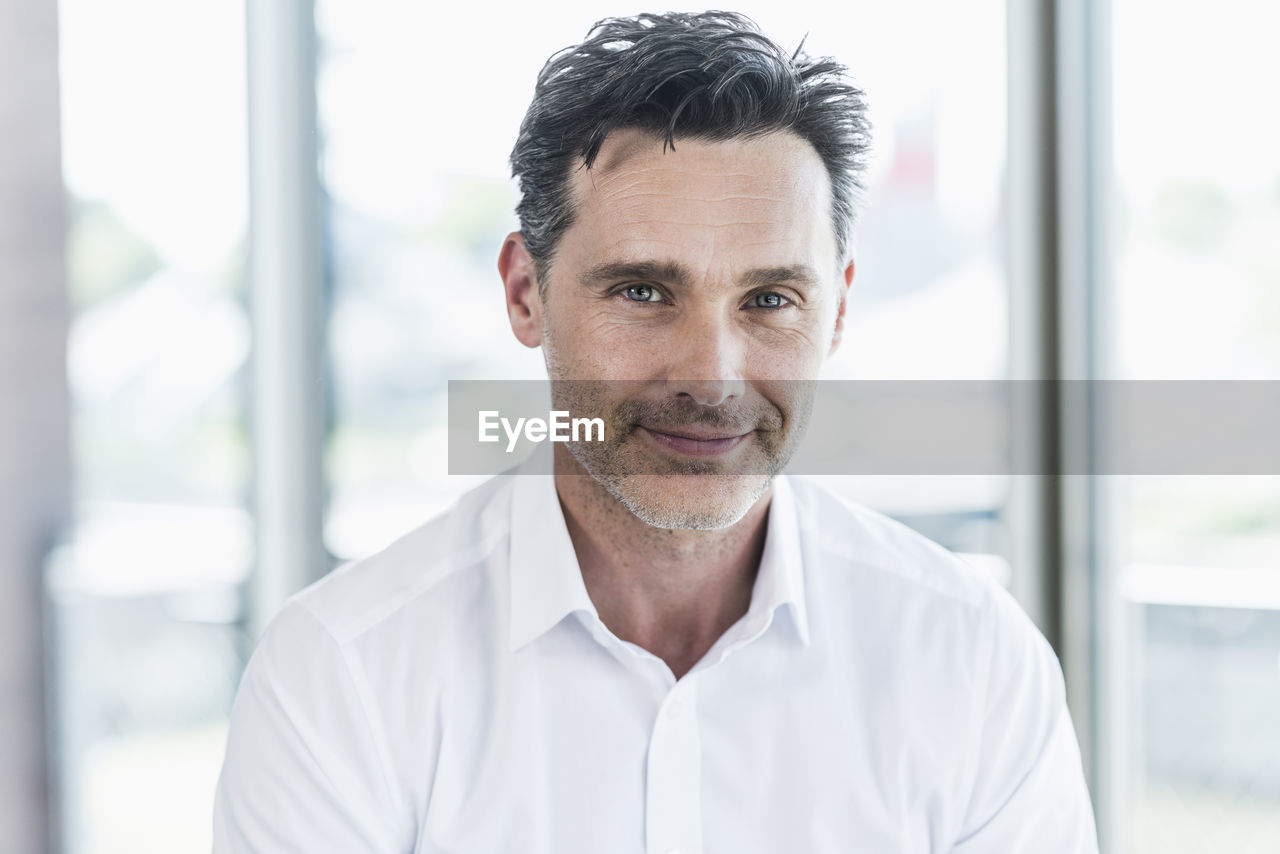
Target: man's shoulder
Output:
{"points": [[440, 559], [890, 581], [850, 537]]}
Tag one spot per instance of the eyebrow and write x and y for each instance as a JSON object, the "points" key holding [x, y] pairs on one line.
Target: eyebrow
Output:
{"points": [[677, 274]]}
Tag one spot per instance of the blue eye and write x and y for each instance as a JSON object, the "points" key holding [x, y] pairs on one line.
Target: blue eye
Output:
{"points": [[769, 300], [642, 293]]}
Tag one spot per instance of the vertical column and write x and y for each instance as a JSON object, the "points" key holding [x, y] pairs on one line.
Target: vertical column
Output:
{"points": [[287, 297], [1092, 622], [1058, 226], [1031, 260], [34, 437]]}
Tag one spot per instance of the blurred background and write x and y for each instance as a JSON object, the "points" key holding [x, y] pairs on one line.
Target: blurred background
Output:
{"points": [[243, 247]]}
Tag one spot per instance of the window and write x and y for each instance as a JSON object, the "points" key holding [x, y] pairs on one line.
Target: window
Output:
{"points": [[144, 599], [1193, 591]]}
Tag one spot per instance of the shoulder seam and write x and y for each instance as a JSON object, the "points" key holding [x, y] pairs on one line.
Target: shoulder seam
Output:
{"points": [[870, 518], [856, 560], [463, 561]]}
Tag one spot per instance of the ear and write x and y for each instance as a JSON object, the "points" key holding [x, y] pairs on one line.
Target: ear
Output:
{"points": [[519, 279], [840, 309]]}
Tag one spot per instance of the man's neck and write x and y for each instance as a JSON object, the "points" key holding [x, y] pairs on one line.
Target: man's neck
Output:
{"points": [[672, 592]]}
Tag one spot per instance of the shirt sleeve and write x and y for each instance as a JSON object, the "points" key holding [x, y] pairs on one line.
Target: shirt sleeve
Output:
{"points": [[1029, 792], [303, 770]]}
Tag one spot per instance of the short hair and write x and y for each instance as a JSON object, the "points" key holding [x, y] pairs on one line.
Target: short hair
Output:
{"points": [[711, 76]]}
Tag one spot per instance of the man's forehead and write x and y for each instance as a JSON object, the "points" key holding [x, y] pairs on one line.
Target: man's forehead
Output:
{"points": [[776, 157], [767, 195]]}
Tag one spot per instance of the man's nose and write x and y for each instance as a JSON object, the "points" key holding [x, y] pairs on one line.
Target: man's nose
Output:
{"points": [[706, 361]]}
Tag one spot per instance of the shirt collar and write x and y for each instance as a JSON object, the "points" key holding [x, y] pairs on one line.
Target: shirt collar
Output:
{"points": [[780, 580], [546, 581]]}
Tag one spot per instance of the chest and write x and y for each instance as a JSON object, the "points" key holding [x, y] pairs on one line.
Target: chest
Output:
{"points": [[760, 755]]}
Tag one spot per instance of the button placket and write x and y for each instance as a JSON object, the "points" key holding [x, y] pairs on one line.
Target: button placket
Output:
{"points": [[673, 801]]}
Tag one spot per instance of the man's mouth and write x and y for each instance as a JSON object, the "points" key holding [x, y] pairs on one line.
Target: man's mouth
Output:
{"points": [[699, 440]]}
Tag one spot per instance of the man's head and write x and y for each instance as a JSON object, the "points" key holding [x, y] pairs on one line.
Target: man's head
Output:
{"points": [[710, 76], [687, 196]]}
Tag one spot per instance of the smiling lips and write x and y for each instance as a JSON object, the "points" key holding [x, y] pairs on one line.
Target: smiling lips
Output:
{"points": [[695, 440]]}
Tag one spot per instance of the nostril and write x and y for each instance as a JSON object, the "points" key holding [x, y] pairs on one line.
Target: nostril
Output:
{"points": [[707, 392]]}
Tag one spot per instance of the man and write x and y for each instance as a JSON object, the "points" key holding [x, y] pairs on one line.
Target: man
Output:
{"points": [[666, 647]]}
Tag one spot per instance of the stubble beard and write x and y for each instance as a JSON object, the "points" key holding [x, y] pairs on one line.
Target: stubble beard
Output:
{"points": [[670, 492]]}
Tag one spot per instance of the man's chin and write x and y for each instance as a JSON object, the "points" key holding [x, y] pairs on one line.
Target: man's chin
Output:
{"points": [[695, 502]]}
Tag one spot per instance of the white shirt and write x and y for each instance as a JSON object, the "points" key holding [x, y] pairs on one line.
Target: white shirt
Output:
{"points": [[458, 693]]}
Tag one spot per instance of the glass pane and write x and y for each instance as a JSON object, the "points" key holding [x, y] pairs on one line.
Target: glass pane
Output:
{"points": [[418, 178], [1197, 582], [145, 597]]}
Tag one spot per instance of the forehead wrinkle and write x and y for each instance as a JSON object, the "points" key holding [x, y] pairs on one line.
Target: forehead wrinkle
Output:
{"points": [[640, 204], [773, 186], [657, 179], [630, 193], [711, 226], [658, 176]]}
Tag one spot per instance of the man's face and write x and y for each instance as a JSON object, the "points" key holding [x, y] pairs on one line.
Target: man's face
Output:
{"points": [[693, 298]]}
